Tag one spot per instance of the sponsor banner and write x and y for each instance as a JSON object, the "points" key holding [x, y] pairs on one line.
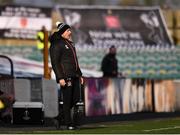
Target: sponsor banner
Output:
{"points": [[23, 22], [116, 26], [139, 34], [165, 93], [105, 96]]}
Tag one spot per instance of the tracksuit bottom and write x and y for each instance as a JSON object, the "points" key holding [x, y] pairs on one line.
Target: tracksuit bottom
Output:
{"points": [[71, 95]]}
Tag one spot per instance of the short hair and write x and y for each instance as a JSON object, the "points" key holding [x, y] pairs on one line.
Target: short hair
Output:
{"points": [[111, 47]]}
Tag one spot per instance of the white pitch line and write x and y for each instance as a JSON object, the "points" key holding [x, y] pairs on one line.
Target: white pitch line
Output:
{"points": [[158, 129]]}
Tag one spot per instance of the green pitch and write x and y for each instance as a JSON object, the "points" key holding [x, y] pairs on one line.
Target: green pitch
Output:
{"points": [[155, 126]]}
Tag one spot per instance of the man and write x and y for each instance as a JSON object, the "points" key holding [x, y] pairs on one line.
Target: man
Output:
{"points": [[2, 106], [109, 65], [6, 103], [65, 65], [40, 39]]}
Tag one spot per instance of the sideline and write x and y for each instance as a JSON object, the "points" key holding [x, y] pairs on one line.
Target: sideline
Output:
{"points": [[159, 129]]}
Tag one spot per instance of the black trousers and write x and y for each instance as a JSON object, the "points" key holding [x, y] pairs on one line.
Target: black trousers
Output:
{"points": [[71, 95]]}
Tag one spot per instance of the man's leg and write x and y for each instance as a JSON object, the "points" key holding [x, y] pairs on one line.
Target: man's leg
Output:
{"points": [[77, 102], [67, 99], [76, 91]]}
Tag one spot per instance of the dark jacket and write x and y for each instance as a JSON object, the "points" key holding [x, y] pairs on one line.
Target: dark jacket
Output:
{"points": [[109, 66], [63, 58]]}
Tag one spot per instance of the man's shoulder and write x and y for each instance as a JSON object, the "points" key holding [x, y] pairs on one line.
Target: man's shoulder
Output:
{"points": [[107, 56]]}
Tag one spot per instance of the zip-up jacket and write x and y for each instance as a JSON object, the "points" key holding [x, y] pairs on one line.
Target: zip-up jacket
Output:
{"points": [[63, 58]]}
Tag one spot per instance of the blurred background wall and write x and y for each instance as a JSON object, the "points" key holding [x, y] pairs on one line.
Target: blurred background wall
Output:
{"points": [[28, 49], [170, 9], [171, 3]]}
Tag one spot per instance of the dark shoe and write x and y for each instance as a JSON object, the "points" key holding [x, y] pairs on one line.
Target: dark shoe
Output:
{"points": [[71, 128]]}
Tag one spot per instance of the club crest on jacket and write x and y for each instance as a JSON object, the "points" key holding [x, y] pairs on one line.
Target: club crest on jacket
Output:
{"points": [[66, 46]]}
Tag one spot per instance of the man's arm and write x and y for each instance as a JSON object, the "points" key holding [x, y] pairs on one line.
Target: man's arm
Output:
{"points": [[55, 55]]}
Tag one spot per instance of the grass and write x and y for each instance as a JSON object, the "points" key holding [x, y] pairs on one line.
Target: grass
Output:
{"points": [[155, 126]]}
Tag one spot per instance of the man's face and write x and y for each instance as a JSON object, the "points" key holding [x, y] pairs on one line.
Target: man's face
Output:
{"points": [[112, 50], [67, 34]]}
